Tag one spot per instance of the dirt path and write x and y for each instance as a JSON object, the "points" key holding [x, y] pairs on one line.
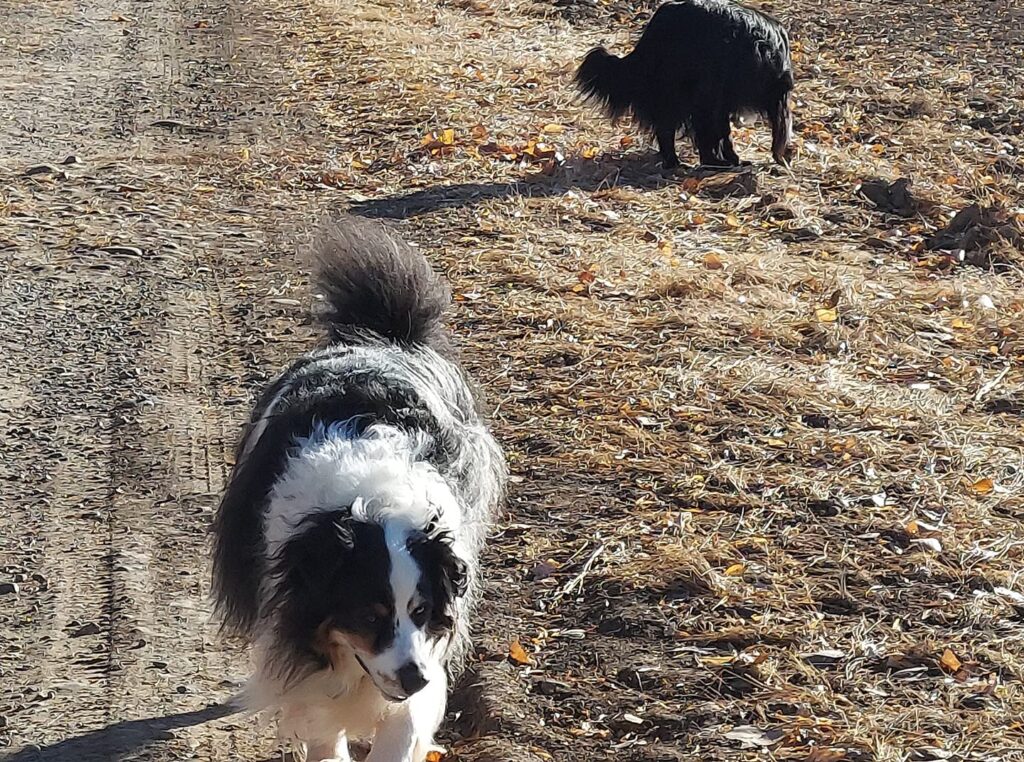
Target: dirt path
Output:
{"points": [[123, 370]]}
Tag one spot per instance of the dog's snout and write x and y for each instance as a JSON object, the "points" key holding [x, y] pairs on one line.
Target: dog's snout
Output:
{"points": [[411, 678]]}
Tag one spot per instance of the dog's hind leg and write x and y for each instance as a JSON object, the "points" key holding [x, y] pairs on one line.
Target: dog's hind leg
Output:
{"points": [[781, 120], [707, 138], [726, 151], [666, 137]]}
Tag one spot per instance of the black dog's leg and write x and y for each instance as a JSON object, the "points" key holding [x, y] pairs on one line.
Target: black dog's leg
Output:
{"points": [[667, 147], [708, 140], [725, 147]]}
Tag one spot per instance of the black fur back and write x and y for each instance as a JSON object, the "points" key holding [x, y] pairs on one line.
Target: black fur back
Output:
{"points": [[374, 281], [697, 64]]}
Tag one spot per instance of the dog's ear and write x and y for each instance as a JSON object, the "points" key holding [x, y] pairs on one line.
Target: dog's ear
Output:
{"points": [[316, 551], [453, 570], [441, 565]]}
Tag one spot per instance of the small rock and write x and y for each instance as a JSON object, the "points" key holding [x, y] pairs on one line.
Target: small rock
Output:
{"points": [[41, 169], [89, 628], [8, 588], [892, 197], [71, 159], [124, 251]]}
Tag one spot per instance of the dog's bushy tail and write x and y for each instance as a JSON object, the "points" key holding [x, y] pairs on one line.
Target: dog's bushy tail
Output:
{"points": [[373, 281], [606, 79]]}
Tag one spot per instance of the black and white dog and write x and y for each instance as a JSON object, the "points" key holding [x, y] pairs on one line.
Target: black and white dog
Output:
{"points": [[347, 540], [698, 64]]}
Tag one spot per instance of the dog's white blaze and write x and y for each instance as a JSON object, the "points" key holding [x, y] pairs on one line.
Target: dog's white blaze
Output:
{"points": [[411, 643]]}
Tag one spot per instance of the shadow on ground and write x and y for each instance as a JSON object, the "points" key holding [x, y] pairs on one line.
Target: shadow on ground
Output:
{"points": [[637, 171], [117, 740]]}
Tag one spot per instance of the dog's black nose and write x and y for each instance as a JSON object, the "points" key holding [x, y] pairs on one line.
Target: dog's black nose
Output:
{"points": [[411, 679]]}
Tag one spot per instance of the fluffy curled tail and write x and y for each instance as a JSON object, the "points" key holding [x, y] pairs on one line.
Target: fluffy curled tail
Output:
{"points": [[373, 281], [606, 79]]}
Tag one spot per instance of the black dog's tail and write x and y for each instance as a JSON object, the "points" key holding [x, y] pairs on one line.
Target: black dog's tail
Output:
{"points": [[606, 79], [373, 281], [781, 120]]}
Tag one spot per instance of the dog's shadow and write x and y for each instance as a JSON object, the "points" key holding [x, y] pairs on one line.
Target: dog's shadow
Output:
{"points": [[636, 170], [115, 741]]}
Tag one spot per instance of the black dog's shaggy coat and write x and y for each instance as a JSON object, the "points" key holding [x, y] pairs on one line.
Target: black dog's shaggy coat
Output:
{"points": [[698, 64]]}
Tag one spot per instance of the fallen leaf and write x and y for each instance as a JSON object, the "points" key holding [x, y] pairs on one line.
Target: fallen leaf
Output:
{"points": [[626, 141], [982, 486], [589, 152], [751, 736], [585, 276], [435, 756], [961, 324], [732, 220], [818, 754], [479, 132], [717, 661], [950, 662], [826, 314], [518, 654], [712, 261], [553, 129], [736, 570]]}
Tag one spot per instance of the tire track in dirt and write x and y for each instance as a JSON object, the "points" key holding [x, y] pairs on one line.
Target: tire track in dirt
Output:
{"points": [[123, 357]]}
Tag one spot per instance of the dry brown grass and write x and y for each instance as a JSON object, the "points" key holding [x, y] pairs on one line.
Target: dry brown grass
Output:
{"points": [[767, 445]]}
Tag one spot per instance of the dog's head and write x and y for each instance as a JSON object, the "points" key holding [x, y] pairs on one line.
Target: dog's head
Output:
{"points": [[376, 591]]}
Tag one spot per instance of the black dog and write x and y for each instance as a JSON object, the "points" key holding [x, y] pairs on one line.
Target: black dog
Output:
{"points": [[698, 64]]}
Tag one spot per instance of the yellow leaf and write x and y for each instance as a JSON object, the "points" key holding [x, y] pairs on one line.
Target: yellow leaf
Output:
{"points": [[553, 129], [717, 661], [736, 570], [589, 152], [244, 153], [877, 149], [962, 324], [447, 137], [982, 486], [732, 220], [826, 314], [518, 654], [950, 661], [434, 756], [712, 261], [204, 189], [665, 246]]}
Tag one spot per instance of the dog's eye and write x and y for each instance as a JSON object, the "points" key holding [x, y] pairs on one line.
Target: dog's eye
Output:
{"points": [[420, 612], [371, 618]]}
